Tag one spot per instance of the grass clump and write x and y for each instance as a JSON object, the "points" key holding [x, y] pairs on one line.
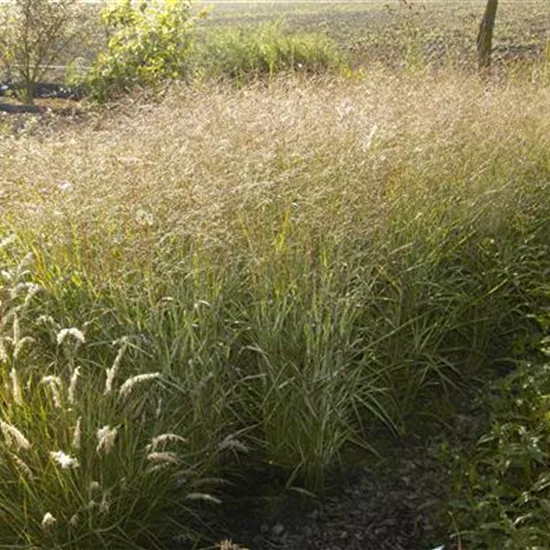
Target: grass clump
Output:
{"points": [[246, 53], [300, 268], [85, 459]]}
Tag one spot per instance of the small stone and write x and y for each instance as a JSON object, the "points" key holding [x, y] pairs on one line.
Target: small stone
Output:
{"points": [[277, 530], [313, 515]]}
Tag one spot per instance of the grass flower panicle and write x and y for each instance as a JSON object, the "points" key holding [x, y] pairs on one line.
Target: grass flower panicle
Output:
{"points": [[21, 344], [22, 466], [76, 333], [113, 370], [48, 521], [75, 520], [6, 241], [231, 443], [77, 434], [203, 496], [64, 460], [133, 381], [106, 438], [55, 384], [16, 388], [4, 357], [72, 386], [163, 457], [162, 439], [14, 438]]}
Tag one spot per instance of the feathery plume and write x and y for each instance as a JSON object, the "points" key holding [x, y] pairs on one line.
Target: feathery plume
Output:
{"points": [[104, 505], [111, 373], [48, 521], [22, 466], [64, 460], [14, 437], [94, 486], [7, 241], [77, 434], [55, 383], [203, 496], [164, 438], [164, 457], [75, 520], [16, 330], [230, 443], [77, 334], [127, 387], [106, 437], [3, 352], [158, 410], [32, 290], [20, 344], [16, 388], [72, 385]]}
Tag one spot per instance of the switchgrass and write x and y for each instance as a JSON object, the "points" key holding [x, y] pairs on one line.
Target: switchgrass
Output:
{"points": [[296, 264]]}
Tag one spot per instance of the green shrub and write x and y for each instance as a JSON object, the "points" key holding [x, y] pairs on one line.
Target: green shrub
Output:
{"points": [[35, 34], [250, 52], [149, 44], [503, 496]]}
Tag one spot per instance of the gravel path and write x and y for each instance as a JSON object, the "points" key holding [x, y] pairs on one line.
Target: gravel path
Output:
{"points": [[395, 505]]}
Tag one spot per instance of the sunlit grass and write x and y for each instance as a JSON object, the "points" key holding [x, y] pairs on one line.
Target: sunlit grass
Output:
{"points": [[291, 264]]}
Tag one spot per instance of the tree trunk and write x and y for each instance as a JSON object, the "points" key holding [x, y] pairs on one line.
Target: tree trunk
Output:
{"points": [[485, 36], [28, 93]]}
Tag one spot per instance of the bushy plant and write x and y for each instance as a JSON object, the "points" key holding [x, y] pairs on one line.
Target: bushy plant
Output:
{"points": [[149, 43], [503, 498], [34, 35]]}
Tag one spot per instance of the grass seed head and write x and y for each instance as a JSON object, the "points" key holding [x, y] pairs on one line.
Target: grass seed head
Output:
{"points": [[163, 457], [230, 443], [75, 520], [55, 384], [3, 352], [77, 434], [10, 239], [64, 460], [111, 373], [72, 385], [164, 438], [22, 466], [106, 438], [228, 544], [21, 344], [16, 388], [14, 437], [77, 334], [130, 383], [203, 496], [48, 521], [94, 486]]}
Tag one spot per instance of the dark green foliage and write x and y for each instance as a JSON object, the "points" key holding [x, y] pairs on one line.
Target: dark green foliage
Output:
{"points": [[504, 490]]}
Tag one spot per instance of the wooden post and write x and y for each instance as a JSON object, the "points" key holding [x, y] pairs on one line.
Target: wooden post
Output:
{"points": [[485, 36]]}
